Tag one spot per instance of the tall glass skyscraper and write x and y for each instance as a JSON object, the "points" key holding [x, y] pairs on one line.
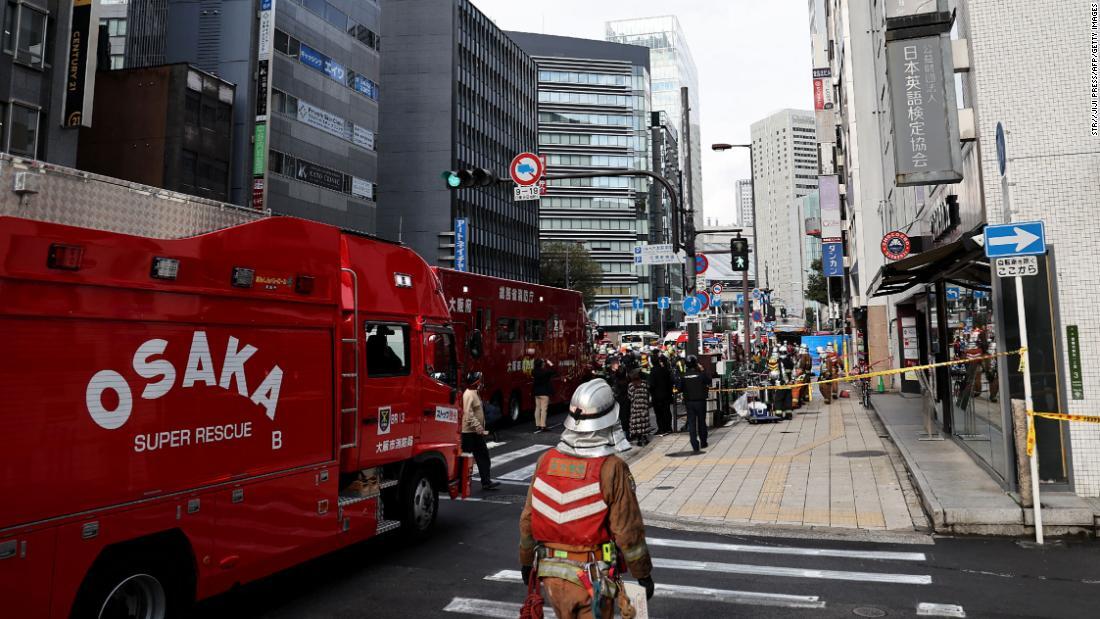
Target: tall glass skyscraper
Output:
{"points": [[594, 115], [671, 66]]}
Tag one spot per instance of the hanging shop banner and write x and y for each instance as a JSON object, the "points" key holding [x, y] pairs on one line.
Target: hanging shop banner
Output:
{"points": [[927, 150], [823, 94], [828, 189], [1076, 379], [361, 136], [461, 234], [259, 150], [80, 79], [265, 34], [896, 245], [832, 259]]}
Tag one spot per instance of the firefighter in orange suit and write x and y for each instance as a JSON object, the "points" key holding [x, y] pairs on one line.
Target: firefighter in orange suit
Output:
{"points": [[582, 525]]}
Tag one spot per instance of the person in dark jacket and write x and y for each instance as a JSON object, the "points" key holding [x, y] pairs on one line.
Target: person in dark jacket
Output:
{"points": [[660, 391], [696, 390], [542, 375], [619, 379]]}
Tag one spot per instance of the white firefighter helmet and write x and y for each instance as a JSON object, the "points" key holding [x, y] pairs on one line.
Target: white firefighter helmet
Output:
{"points": [[592, 408], [783, 350]]}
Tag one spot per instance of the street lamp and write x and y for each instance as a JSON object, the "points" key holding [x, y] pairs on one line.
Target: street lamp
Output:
{"points": [[755, 244]]}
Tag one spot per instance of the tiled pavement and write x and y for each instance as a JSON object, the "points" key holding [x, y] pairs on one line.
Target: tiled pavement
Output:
{"points": [[832, 466]]}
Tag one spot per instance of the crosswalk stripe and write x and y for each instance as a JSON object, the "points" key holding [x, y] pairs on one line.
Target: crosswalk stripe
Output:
{"points": [[792, 572], [488, 608], [495, 444], [706, 594], [520, 474], [789, 550], [518, 453], [928, 609]]}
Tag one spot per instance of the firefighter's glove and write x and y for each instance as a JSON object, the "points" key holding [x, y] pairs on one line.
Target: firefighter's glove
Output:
{"points": [[647, 582], [525, 571]]}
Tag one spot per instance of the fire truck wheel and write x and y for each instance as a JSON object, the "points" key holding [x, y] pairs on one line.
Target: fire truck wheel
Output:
{"points": [[420, 503], [514, 410], [130, 589]]}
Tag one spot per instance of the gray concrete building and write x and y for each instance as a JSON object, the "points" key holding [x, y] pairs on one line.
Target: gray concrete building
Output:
{"points": [[594, 115], [744, 203], [315, 155], [459, 94], [32, 81]]}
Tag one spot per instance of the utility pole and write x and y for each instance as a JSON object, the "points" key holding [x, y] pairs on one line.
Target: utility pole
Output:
{"points": [[689, 195]]}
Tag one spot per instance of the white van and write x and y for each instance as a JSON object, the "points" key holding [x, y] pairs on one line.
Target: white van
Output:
{"points": [[639, 340]]}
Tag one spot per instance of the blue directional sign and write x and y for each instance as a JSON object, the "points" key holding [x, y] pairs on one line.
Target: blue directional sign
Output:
{"points": [[952, 293], [756, 294], [613, 305], [637, 303], [1026, 238], [692, 305], [664, 303], [740, 298]]}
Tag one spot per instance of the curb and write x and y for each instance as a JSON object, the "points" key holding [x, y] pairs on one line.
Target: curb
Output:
{"points": [[664, 521], [932, 507]]}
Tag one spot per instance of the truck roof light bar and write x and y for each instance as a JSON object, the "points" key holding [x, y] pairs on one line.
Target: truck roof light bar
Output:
{"points": [[65, 257], [165, 268], [243, 277]]}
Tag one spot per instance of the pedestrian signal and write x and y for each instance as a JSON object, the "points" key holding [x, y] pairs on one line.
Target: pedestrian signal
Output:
{"points": [[739, 254]]}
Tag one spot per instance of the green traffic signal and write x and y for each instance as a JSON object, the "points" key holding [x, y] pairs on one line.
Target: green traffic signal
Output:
{"points": [[453, 181]]}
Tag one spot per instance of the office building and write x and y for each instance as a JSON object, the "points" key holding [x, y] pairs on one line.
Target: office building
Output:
{"points": [[113, 22], [32, 81], [668, 280], [785, 155], [744, 203], [671, 67], [304, 145], [460, 94], [594, 115], [179, 138]]}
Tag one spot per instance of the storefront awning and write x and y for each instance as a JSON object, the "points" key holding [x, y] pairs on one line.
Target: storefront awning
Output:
{"points": [[962, 262]]}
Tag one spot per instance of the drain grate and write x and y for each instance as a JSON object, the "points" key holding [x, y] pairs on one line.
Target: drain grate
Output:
{"points": [[869, 453], [665, 488], [868, 611]]}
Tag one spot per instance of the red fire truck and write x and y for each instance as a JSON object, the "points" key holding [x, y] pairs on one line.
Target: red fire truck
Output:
{"points": [[184, 415], [504, 325]]}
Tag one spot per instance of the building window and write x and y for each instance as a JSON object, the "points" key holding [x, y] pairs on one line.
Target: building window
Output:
{"points": [[118, 61], [23, 133], [115, 27], [25, 33]]}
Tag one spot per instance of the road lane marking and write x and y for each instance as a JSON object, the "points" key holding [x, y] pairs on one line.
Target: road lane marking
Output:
{"points": [[705, 594], [474, 499], [789, 550], [488, 608], [520, 474], [929, 609], [792, 572], [495, 444], [518, 453]]}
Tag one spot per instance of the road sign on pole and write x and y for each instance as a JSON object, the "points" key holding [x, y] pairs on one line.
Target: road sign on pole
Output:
{"points": [[692, 305], [656, 254], [637, 303], [1017, 266], [716, 288], [664, 303], [613, 305], [701, 264], [1026, 238], [704, 300], [526, 169]]}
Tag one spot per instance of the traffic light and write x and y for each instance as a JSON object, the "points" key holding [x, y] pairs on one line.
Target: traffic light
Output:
{"points": [[469, 177], [739, 254]]}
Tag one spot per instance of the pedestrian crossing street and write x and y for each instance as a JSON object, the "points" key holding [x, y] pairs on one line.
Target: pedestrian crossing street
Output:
{"points": [[793, 575]]}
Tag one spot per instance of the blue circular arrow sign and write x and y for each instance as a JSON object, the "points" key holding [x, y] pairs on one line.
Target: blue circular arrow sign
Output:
{"points": [[692, 305]]}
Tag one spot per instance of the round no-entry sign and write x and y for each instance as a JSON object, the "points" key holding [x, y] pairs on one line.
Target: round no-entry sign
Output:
{"points": [[526, 169], [701, 264]]}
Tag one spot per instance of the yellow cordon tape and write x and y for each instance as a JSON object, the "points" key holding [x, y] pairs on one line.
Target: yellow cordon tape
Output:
{"points": [[1031, 415], [890, 372]]}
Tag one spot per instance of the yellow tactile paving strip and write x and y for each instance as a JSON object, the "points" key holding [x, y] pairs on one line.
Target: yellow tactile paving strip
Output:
{"points": [[826, 468]]}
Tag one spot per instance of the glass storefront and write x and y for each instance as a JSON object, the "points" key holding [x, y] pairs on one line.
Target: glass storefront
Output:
{"points": [[975, 387]]}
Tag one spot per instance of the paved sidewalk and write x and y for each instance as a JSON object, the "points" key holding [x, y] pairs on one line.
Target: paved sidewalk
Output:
{"points": [[832, 466], [959, 495]]}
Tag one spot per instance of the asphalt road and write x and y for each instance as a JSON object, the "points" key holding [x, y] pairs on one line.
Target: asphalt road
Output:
{"points": [[468, 568]]}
